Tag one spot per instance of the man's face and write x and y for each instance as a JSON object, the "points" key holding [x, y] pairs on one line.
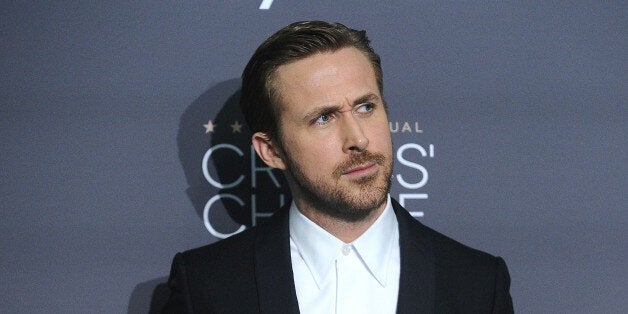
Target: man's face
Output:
{"points": [[335, 141]]}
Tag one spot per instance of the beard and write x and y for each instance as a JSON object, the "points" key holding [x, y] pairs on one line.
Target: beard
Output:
{"points": [[345, 202]]}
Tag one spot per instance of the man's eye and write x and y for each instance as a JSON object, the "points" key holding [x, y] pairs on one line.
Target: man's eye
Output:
{"points": [[365, 108], [322, 119]]}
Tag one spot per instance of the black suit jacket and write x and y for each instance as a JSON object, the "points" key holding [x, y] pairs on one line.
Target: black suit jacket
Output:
{"points": [[251, 272]]}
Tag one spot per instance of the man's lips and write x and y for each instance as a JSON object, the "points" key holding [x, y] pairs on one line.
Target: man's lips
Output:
{"points": [[361, 169], [361, 165]]}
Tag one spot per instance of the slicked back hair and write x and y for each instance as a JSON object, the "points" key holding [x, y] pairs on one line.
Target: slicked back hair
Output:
{"points": [[259, 99]]}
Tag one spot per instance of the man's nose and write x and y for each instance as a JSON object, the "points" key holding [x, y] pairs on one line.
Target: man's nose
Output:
{"points": [[355, 141]]}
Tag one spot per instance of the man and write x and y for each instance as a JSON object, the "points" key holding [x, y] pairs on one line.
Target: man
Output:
{"points": [[312, 95]]}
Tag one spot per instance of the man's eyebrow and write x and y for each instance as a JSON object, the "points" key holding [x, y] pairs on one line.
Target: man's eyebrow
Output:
{"points": [[316, 112], [370, 97]]}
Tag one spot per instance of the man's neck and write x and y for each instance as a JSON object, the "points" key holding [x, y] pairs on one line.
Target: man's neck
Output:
{"points": [[346, 231]]}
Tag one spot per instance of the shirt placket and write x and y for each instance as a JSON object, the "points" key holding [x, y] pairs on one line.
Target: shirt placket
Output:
{"points": [[346, 280]]}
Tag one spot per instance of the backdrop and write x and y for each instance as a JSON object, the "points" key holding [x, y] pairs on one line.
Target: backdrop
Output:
{"points": [[122, 143]]}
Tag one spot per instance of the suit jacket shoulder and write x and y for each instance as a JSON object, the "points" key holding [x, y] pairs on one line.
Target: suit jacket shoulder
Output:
{"points": [[249, 272], [464, 280], [214, 274]]}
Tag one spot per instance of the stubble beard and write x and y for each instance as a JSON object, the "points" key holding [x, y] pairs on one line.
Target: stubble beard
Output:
{"points": [[343, 202]]}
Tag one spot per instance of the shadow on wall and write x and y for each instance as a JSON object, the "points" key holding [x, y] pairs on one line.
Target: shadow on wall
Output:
{"points": [[228, 185], [220, 165], [149, 297]]}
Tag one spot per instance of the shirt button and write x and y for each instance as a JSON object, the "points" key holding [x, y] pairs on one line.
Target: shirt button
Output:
{"points": [[346, 249]]}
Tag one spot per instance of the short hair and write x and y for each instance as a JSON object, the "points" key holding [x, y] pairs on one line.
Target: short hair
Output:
{"points": [[259, 98]]}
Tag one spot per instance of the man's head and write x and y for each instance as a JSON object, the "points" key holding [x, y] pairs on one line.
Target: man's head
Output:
{"points": [[296, 41], [332, 137]]}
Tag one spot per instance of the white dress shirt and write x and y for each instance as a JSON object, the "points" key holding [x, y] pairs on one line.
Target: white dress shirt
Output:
{"points": [[331, 276]]}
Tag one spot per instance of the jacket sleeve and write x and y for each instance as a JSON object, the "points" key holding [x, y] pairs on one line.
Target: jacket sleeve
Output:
{"points": [[503, 301], [179, 300]]}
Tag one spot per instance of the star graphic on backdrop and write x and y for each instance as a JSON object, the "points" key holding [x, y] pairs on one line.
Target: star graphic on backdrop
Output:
{"points": [[236, 127], [209, 127]]}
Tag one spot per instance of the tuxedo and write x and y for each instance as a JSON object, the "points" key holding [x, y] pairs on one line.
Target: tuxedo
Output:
{"points": [[251, 272]]}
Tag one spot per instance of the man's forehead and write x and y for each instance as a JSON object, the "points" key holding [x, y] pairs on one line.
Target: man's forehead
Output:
{"points": [[326, 72], [316, 58]]}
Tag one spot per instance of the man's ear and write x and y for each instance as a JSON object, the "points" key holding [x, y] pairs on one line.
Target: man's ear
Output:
{"points": [[268, 150]]}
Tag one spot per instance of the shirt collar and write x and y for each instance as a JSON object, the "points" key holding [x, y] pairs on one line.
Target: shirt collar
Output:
{"points": [[375, 246], [320, 249]]}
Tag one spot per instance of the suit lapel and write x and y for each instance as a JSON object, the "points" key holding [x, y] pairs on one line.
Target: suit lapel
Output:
{"points": [[417, 279], [273, 267]]}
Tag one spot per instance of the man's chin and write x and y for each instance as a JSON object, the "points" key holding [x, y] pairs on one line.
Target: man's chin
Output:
{"points": [[354, 214], [360, 208]]}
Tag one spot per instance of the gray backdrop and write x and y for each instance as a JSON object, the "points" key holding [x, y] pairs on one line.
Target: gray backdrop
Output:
{"points": [[508, 119]]}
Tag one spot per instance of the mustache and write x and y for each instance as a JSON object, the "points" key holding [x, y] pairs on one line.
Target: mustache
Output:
{"points": [[357, 160]]}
